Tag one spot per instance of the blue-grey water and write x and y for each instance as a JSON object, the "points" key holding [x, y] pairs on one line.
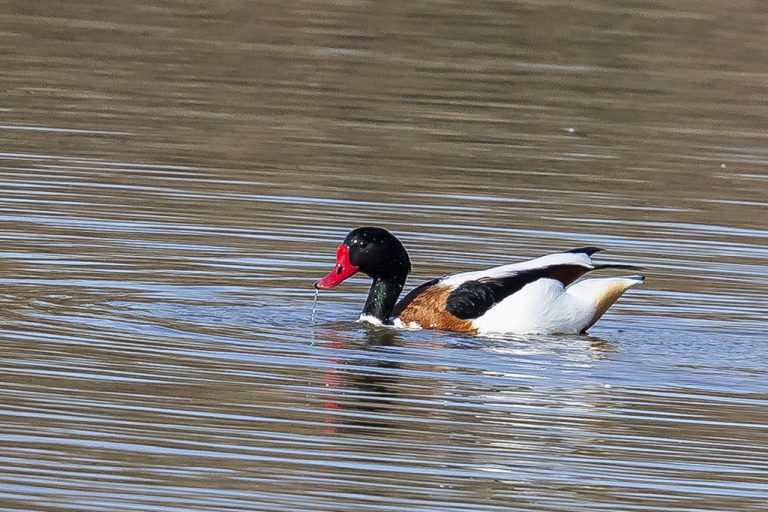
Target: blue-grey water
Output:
{"points": [[174, 175]]}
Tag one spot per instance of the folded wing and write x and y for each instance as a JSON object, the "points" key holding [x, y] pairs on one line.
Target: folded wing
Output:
{"points": [[472, 298]]}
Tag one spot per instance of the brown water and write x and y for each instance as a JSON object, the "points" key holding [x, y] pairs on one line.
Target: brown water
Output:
{"points": [[174, 175]]}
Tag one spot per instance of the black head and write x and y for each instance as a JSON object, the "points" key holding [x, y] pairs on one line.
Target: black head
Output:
{"points": [[377, 252], [371, 250]]}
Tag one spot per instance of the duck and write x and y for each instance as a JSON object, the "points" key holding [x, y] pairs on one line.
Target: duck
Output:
{"points": [[545, 295]]}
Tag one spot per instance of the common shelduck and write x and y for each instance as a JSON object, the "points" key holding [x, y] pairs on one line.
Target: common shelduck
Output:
{"points": [[537, 296]]}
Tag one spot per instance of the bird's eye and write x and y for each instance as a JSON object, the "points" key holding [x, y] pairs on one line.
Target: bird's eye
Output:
{"points": [[339, 270]]}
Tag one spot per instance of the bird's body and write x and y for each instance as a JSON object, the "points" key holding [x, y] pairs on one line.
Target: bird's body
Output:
{"points": [[541, 295]]}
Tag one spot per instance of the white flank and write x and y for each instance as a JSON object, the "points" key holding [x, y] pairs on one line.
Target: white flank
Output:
{"points": [[546, 307]]}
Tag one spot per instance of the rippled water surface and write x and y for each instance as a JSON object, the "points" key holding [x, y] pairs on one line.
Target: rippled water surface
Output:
{"points": [[174, 175]]}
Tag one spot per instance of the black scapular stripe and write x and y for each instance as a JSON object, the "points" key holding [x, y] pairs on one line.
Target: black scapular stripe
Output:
{"points": [[473, 298]]}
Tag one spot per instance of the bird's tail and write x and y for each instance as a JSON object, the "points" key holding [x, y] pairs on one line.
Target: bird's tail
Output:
{"points": [[602, 292]]}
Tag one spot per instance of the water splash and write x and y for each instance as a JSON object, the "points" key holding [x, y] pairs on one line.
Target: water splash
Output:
{"points": [[314, 305]]}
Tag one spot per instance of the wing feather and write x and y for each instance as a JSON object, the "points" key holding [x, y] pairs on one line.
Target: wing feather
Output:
{"points": [[472, 298], [578, 257]]}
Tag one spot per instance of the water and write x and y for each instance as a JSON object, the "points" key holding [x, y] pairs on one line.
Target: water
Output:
{"points": [[176, 175]]}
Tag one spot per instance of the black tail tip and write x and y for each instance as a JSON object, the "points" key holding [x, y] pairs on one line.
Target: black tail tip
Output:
{"points": [[589, 251], [618, 266]]}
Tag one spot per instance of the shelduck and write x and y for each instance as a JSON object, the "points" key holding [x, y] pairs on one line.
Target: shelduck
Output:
{"points": [[542, 295]]}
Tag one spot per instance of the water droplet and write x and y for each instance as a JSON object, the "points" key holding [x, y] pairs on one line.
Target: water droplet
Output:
{"points": [[314, 305]]}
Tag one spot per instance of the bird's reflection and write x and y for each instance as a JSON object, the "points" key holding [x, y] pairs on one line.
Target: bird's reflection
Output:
{"points": [[361, 380], [518, 410], [586, 348], [372, 383]]}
